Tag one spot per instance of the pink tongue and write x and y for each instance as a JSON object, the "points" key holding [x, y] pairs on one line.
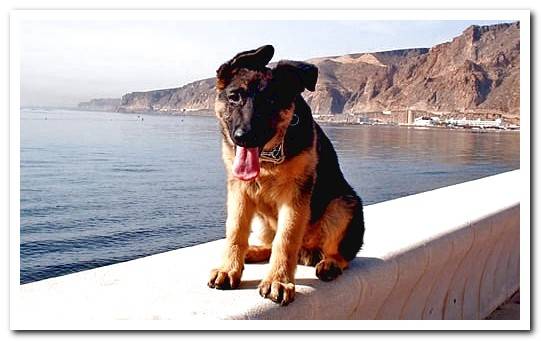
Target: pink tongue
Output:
{"points": [[246, 163]]}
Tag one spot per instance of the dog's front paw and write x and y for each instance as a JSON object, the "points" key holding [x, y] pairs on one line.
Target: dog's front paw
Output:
{"points": [[279, 292], [224, 279]]}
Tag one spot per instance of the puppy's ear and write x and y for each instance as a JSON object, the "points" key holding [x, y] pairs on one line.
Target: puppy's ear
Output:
{"points": [[253, 59], [302, 75]]}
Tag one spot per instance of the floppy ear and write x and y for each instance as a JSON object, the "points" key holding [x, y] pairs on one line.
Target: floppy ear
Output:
{"points": [[253, 59], [303, 75]]}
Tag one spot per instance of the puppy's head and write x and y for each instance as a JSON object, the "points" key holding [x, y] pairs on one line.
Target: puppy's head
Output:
{"points": [[255, 103]]}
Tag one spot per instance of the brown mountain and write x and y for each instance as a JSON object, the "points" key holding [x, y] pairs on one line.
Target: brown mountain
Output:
{"points": [[198, 95], [477, 71]]}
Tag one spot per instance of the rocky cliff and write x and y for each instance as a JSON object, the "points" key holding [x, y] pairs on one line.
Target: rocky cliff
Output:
{"points": [[198, 95], [477, 71]]}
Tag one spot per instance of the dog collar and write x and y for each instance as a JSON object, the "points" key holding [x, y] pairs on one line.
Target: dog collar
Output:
{"points": [[276, 155]]}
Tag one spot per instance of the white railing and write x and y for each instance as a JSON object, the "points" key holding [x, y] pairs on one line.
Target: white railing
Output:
{"points": [[450, 253]]}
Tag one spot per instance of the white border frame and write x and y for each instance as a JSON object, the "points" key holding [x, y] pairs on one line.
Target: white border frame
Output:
{"points": [[16, 17]]}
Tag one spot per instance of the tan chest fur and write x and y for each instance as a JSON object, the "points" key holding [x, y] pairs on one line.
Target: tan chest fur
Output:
{"points": [[276, 185]]}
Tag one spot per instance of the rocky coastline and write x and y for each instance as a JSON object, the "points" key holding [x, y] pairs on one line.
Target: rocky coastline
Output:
{"points": [[473, 76]]}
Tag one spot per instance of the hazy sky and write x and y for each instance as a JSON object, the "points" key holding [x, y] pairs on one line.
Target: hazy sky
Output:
{"points": [[65, 62]]}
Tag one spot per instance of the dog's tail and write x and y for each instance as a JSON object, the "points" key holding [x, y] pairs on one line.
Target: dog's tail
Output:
{"points": [[310, 257]]}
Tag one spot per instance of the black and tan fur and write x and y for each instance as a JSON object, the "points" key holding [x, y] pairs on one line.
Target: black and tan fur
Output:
{"points": [[310, 214]]}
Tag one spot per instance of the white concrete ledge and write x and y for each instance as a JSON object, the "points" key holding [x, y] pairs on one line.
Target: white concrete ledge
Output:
{"points": [[450, 253]]}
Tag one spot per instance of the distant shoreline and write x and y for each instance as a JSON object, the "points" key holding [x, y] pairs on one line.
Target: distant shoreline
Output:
{"points": [[210, 113]]}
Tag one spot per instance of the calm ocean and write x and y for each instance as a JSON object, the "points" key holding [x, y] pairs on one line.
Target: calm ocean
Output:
{"points": [[101, 188]]}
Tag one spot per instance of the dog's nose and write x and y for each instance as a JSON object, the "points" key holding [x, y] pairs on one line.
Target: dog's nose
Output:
{"points": [[241, 136]]}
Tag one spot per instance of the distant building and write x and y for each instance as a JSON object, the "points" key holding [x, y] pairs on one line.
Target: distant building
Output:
{"points": [[497, 123], [423, 121], [364, 120]]}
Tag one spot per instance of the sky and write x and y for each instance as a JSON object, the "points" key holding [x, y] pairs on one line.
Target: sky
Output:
{"points": [[65, 62]]}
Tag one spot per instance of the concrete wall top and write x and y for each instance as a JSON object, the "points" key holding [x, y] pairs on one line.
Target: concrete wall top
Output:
{"points": [[419, 252]]}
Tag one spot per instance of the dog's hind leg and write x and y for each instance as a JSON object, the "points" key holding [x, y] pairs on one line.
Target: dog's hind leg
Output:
{"points": [[262, 236], [335, 227], [331, 267], [309, 257], [257, 253]]}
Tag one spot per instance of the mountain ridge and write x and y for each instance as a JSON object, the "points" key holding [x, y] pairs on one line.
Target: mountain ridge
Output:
{"points": [[477, 71]]}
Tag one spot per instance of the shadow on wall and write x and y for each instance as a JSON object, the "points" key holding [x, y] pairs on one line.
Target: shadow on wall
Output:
{"points": [[356, 266]]}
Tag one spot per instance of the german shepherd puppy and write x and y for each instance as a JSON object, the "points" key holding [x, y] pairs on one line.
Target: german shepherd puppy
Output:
{"points": [[282, 171]]}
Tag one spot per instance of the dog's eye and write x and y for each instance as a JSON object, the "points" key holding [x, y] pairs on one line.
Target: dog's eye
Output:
{"points": [[234, 98]]}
